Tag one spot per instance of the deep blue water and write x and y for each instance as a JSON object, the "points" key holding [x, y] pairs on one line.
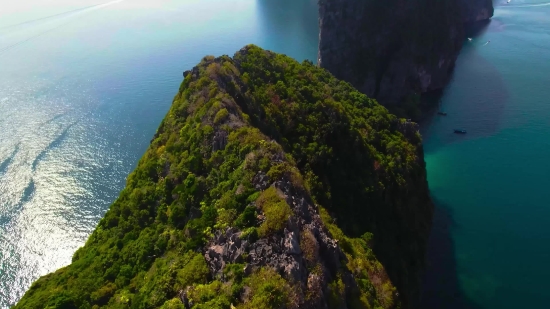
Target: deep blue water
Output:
{"points": [[84, 85]]}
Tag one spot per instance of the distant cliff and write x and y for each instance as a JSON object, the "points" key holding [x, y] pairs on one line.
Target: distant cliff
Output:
{"points": [[394, 50]]}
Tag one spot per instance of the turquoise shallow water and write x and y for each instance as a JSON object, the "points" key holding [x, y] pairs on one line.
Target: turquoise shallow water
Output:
{"points": [[84, 85], [491, 241]]}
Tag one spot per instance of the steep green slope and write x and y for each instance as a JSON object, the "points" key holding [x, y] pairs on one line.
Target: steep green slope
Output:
{"points": [[269, 184]]}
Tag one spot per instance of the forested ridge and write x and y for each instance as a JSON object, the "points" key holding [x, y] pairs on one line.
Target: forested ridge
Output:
{"points": [[269, 184]]}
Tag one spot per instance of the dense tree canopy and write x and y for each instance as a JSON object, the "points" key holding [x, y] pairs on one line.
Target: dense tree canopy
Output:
{"points": [[231, 119]]}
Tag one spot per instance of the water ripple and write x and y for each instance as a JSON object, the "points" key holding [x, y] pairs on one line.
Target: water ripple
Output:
{"points": [[57, 173]]}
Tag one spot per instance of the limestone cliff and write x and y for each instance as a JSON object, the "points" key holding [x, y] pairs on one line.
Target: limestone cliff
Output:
{"points": [[395, 49], [270, 184], [476, 10]]}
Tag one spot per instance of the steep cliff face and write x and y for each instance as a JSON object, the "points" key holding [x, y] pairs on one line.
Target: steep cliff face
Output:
{"points": [[269, 184], [395, 49], [476, 10]]}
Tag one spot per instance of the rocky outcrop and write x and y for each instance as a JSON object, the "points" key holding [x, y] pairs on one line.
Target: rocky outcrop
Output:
{"points": [[283, 251], [394, 49]]}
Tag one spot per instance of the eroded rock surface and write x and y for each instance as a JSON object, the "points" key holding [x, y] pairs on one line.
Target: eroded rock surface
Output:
{"points": [[282, 251]]}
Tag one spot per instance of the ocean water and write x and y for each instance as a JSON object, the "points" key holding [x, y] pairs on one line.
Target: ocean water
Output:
{"points": [[84, 85], [490, 245]]}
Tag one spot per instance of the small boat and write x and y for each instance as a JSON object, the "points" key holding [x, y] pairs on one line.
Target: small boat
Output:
{"points": [[460, 131], [442, 113]]}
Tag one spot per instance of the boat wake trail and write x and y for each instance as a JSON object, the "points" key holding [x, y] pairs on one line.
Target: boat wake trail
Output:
{"points": [[48, 17], [109, 3], [529, 5], [70, 13], [7, 48]]}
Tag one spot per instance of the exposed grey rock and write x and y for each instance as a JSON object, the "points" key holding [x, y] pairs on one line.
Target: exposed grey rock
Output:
{"points": [[260, 181], [219, 141], [291, 243], [184, 298], [315, 283], [282, 252], [226, 247]]}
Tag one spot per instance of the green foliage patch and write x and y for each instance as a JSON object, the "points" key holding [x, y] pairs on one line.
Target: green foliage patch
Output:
{"points": [[275, 209], [233, 119], [268, 290]]}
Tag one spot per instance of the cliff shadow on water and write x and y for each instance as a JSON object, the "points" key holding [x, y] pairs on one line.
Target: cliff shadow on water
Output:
{"points": [[441, 287], [477, 29], [293, 27], [430, 102], [476, 98]]}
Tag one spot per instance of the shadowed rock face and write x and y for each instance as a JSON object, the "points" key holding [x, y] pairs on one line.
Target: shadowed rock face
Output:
{"points": [[476, 10], [394, 49]]}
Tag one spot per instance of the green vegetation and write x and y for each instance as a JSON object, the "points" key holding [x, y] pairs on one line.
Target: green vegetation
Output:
{"points": [[276, 211], [231, 120], [376, 289], [269, 290]]}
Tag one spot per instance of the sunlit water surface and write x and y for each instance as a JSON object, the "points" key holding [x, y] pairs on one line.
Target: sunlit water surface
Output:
{"points": [[83, 87]]}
